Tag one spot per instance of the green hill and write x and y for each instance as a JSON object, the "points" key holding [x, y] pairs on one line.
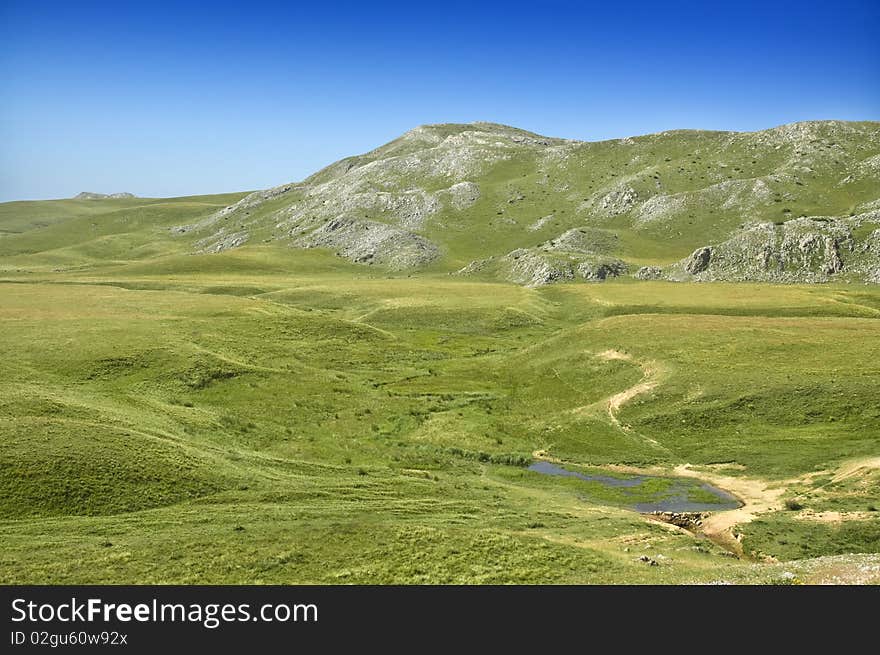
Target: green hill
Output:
{"points": [[797, 203], [489, 199]]}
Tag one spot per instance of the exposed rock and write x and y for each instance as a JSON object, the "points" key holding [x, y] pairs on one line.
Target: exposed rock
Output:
{"points": [[660, 208], [463, 195], [867, 256], [381, 196], [601, 270], [476, 267], [871, 244], [871, 205], [686, 520], [649, 273], [618, 201], [808, 250], [579, 253], [740, 195], [541, 222], [369, 242], [244, 206], [743, 194], [699, 260], [89, 195], [869, 167], [534, 267]]}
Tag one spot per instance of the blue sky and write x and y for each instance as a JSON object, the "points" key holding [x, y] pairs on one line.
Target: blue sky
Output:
{"points": [[177, 98]]}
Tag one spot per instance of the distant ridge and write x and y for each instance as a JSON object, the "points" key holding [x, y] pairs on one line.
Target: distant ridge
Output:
{"points": [[90, 195]]}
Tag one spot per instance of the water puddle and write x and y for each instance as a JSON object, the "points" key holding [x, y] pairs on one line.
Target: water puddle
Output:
{"points": [[648, 493]]}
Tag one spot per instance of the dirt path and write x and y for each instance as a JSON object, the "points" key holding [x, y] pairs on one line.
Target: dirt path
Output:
{"points": [[854, 467], [757, 496], [761, 496], [650, 375]]}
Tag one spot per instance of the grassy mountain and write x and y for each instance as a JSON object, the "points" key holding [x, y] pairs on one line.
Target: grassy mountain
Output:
{"points": [[796, 203]]}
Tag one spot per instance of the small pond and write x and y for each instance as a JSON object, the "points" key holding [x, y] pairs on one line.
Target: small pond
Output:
{"points": [[647, 493]]}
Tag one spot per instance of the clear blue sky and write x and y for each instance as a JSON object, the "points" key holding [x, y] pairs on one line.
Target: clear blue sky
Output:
{"points": [[174, 98]]}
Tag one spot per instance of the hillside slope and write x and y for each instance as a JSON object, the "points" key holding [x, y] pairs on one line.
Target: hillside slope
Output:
{"points": [[794, 203]]}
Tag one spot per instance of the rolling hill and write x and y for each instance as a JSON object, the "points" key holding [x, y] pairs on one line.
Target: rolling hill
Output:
{"points": [[348, 379]]}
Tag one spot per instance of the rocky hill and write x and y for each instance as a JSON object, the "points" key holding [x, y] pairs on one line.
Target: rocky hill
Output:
{"points": [[91, 195], [796, 203]]}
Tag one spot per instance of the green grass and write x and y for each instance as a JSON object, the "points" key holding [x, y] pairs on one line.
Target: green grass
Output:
{"points": [[281, 416], [788, 538]]}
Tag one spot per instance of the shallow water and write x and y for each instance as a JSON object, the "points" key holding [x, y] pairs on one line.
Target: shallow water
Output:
{"points": [[676, 498]]}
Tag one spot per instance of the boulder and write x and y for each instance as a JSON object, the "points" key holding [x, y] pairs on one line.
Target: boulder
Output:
{"points": [[699, 260]]}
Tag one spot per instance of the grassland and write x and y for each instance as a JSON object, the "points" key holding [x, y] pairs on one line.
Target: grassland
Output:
{"points": [[268, 415]]}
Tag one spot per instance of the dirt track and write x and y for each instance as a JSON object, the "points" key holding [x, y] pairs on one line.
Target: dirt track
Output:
{"points": [[761, 496], [757, 496], [650, 379]]}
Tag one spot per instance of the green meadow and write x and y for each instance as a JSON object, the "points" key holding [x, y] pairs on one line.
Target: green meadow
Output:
{"points": [[272, 415]]}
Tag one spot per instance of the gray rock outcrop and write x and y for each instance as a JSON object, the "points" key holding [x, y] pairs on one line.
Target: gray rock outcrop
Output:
{"points": [[699, 260], [90, 195], [649, 273], [805, 250]]}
